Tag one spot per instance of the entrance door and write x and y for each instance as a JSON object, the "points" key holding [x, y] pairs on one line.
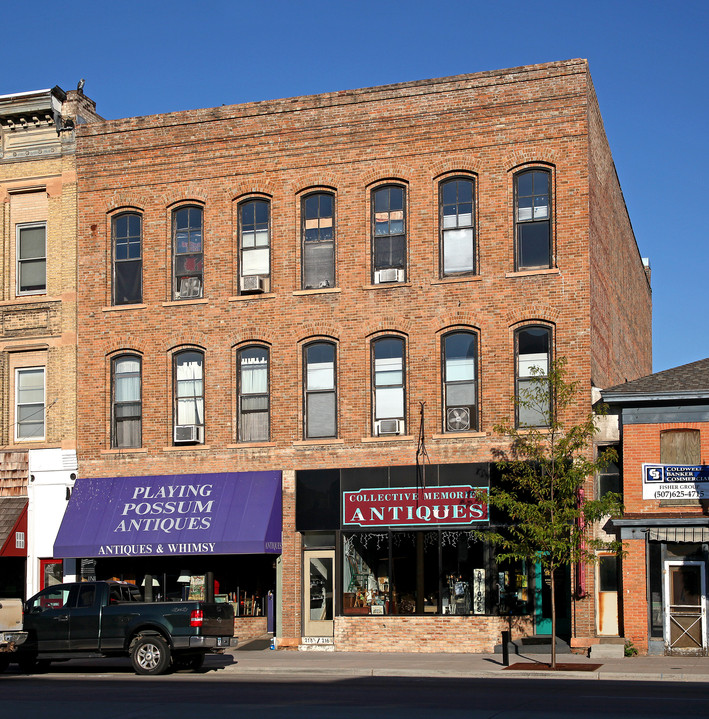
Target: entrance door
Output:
{"points": [[541, 599], [607, 595], [685, 608], [318, 581]]}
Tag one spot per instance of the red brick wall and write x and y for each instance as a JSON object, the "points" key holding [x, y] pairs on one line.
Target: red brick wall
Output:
{"points": [[634, 594]]}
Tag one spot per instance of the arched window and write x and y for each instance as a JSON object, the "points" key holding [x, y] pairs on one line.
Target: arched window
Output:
{"points": [[320, 388], [188, 377], [388, 384], [533, 220], [127, 234], [533, 355], [460, 387], [318, 240], [389, 234], [188, 262], [254, 246], [126, 407], [457, 226], [253, 394]]}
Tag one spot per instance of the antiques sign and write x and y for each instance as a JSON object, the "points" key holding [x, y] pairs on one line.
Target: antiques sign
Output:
{"points": [[414, 506], [675, 481]]}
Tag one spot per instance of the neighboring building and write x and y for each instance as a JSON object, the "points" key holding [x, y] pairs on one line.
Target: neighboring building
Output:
{"points": [[273, 293], [38, 321], [665, 529]]}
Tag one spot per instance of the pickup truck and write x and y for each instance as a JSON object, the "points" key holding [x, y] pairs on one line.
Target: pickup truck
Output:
{"points": [[11, 633], [101, 619]]}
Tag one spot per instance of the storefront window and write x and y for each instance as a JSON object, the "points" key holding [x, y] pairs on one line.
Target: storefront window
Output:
{"points": [[429, 572]]}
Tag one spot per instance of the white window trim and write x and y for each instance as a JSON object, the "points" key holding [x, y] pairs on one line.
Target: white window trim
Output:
{"points": [[18, 228], [18, 371]]}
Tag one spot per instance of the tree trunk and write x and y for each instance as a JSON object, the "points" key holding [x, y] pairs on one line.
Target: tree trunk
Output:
{"points": [[553, 619]]}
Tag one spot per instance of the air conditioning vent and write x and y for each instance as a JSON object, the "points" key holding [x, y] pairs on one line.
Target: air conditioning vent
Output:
{"points": [[252, 283], [190, 288], [384, 427], [458, 419], [389, 275], [189, 433]]}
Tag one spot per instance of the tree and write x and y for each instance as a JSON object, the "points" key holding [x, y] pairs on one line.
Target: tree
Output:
{"points": [[541, 478]]}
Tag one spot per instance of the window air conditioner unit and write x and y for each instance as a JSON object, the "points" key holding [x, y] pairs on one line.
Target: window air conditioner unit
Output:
{"points": [[384, 427], [389, 275], [252, 283], [189, 433], [458, 419], [190, 288]]}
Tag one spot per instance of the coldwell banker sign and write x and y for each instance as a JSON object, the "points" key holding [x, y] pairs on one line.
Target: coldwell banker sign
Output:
{"points": [[414, 506], [673, 481]]}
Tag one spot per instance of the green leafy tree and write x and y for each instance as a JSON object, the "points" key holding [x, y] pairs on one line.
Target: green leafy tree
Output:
{"points": [[542, 475]]}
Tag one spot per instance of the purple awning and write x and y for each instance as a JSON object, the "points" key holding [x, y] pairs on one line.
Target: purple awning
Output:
{"points": [[226, 513]]}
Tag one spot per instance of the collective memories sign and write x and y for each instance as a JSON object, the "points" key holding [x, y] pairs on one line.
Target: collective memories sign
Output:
{"points": [[675, 481], [414, 506]]}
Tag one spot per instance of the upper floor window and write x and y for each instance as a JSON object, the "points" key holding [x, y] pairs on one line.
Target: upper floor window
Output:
{"points": [[318, 233], [254, 246], [29, 403], [609, 480], [533, 347], [320, 390], [680, 446], [389, 234], [460, 356], [188, 378], [32, 259], [188, 262], [253, 394], [457, 222], [388, 382], [533, 220], [127, 259], [126, 409]]}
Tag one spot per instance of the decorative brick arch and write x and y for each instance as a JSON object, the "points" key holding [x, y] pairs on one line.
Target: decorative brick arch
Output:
{"points": [[183, 342], [453, 320], [532, 313], [238, 192], [317, 330], [392, 173], [131, 345], [522, 157], [395, 325], [453, 165], [251, 334], [313, 183], [188, 193], [123, 199]]}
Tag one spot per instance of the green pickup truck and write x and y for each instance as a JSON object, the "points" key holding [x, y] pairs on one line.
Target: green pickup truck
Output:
{"points": [[101, 619]]}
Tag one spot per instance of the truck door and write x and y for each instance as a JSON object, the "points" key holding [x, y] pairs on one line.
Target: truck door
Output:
{"points": [[84, 617], [47, 619]]}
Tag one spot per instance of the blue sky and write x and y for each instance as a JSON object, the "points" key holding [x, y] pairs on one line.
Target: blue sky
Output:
{"points": [[649, 61]]}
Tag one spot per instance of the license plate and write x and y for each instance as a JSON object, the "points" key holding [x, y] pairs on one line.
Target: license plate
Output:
{"points": [[223, 641]]}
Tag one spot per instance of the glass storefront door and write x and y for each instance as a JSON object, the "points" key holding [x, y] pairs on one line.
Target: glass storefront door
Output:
{"points": [[318, 581], [685, 608]]}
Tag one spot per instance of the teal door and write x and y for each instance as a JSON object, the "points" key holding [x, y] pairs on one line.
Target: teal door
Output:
{"points": [[542, 602]]}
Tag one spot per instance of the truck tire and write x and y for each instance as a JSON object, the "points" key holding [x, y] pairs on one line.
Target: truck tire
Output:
{"points": [[150, 654]]}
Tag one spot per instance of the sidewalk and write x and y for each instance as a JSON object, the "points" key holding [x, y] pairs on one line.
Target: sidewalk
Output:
{"points": [[383, 664]]}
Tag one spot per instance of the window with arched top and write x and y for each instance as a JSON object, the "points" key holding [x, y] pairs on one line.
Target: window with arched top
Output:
{"points": [[460, 383], [254, 246], [318, 240], [126, 405], [253, 394], [532, 217], [188, 382], [188, 255], [127, 239], [457, 226], [532, 359], [320, 390], [389, 234], [389, 386]]}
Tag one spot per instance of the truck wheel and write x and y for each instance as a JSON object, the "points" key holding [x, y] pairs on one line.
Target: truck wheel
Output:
{"points": [[150, 655]]}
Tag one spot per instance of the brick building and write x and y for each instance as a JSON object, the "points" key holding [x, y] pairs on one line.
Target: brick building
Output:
{"points": [[665, 440], [288, 296], [38, 325]]}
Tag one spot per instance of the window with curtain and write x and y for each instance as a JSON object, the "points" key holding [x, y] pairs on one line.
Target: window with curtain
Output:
{"points": [[127, 406], [533, 220], [32, 259], [127, 259], [189, 389], [254, 238], [188, 262], [389, 232], [388, 382], [253, 393], [318, 238], [29, 404], [320, 390], [457, 222], [533, 348], [460, 381]]}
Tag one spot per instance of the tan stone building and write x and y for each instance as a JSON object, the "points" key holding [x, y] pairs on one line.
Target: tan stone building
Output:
{"points": [[38, 327]]}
